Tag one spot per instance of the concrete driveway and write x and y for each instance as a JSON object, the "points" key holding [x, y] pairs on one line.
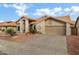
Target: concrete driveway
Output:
{"points": [[37, 45]]}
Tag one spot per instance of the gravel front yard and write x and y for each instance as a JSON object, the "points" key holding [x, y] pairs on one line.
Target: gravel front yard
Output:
{"points": [[18, 38]]}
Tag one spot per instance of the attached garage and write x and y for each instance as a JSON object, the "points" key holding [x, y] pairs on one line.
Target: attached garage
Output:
{"points": [[55, 27], [52, 30]]}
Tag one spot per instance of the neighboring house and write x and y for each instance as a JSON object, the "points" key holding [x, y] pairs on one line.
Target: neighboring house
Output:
{"points": [[6, 25], [46, 25], [76, 27]]}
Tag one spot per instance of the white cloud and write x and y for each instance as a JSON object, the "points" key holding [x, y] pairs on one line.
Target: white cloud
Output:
{"points": [[47, 11], [67, 9], [75, 8], [41, 12], [20, 9], [20, 13], [72, 10], [1, 21], [6, 5], [57, 9]]}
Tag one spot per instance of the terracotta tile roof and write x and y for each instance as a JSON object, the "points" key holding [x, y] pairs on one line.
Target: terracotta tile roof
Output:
{"points": [[26, 17], [3, 24], [65, 19], [33, 21], [23, 17]]}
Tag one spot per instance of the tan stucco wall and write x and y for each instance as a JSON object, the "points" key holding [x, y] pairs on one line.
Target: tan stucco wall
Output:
{"points": [[2, 28], [52, 22], [22, 25], [41, 27], [27, 26], [68, 29], [12, 28]]}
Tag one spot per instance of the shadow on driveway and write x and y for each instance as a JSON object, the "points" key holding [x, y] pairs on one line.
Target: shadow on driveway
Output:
{"points": [[1, 53]]}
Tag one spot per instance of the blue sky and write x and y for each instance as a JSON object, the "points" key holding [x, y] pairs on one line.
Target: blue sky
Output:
{"points": [[12, 12]]}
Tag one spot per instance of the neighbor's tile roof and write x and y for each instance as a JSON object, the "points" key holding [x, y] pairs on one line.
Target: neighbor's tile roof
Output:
{"points": [[3, 24]]}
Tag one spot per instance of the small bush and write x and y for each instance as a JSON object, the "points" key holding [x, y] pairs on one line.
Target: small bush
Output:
{"points": [[10, 31]]}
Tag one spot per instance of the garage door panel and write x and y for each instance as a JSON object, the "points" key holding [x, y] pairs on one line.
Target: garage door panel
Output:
{"points": [[51, 30]]}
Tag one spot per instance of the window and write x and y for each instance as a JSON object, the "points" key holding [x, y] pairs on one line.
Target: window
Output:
{"points": [[18, 28], [24, 26], [24, 22]]}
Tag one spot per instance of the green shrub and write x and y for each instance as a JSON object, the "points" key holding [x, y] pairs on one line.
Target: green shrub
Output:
{"points": [[10, 31]]}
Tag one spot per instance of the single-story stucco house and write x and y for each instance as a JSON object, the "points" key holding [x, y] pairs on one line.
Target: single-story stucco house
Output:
{"points": [[46, 25]]}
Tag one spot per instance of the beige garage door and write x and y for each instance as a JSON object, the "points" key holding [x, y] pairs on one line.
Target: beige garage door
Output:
{"points": [[51, 30]]}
